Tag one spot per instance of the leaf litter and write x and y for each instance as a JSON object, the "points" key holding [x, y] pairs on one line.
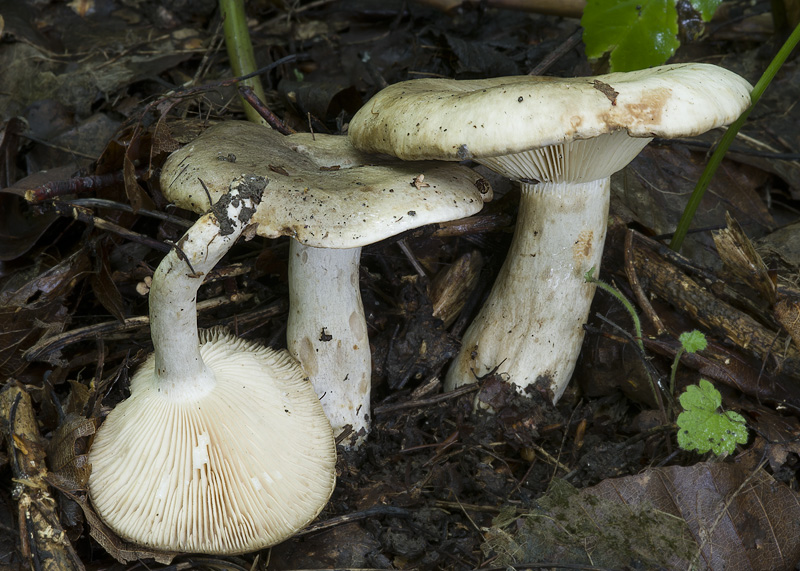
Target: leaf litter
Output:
{"points": [[440, 483]]}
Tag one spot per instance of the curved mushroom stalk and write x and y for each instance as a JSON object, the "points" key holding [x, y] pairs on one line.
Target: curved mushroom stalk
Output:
{"points": [[173, 294], [531, 326], [222, 446], [327, 333]]}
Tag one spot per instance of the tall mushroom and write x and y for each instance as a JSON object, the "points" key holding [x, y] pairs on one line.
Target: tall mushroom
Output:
{"points": [[332, 201], [222, 446], [561, 139]]}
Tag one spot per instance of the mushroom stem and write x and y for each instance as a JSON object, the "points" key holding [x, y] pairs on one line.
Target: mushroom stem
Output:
{"points": [[327, 332], [535, 336], [173, 295]]}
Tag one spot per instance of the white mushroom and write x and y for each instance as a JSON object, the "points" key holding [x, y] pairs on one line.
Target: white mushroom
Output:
{"points": [[222, 446], [332, 201], [561, 139]]}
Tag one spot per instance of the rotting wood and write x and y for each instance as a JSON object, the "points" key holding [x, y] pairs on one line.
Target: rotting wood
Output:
{"points": [[43, 541], [690, 298]]}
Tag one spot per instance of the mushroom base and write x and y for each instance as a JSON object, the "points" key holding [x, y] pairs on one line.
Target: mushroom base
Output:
{"points": [[530, 328]]}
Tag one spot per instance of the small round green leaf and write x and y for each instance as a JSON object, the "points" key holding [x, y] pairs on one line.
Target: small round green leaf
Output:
{"points": [[702, 427], [693, 341]]}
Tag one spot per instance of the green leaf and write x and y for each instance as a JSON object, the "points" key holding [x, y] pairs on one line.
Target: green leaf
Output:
{"points": [[693, 341], [638, 33], [706, 8], [702, 427]]}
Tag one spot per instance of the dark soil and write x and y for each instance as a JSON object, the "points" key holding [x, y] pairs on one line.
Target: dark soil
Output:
{"points": [[84, 95]]}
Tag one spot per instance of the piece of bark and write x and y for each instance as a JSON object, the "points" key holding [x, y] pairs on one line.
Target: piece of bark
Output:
{"points": [[43, 541], [690, 298], [741, 257]]}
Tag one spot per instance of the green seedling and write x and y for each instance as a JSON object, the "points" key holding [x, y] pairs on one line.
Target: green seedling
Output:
{"points": [[637, 324], [691, 342], [702, 427]]}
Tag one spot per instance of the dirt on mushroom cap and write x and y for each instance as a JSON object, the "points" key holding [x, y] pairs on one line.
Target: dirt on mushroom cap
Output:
{"points": [[365, 200], [458, 119]]}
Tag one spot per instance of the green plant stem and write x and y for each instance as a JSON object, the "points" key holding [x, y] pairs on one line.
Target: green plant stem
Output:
{"points": [[240, 51], [637, 324], [674, 370], [727, 139]]}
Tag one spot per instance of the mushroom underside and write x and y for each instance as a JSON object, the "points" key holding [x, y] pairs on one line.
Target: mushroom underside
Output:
{"points": [[236, 470]]}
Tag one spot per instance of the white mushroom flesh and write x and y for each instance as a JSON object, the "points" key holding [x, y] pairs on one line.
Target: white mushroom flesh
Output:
{"points": [[561, 138], [327, 332], [222, 446]]}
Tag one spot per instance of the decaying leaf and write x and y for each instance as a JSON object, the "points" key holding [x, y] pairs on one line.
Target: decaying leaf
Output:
{"points": [[717, 515], [573, 526], [67, 451], [32, 306], [104, 287]]}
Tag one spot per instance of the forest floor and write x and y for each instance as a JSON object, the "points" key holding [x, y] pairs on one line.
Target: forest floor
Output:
{"points": [[596, 481]]}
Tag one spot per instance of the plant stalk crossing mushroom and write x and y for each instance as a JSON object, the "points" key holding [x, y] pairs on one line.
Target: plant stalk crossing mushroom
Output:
{"points": [[222, 446], [561, 139]]}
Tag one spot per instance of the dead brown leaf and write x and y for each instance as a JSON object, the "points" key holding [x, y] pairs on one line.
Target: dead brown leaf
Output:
{"points": [[715, 515], [33, 308]]}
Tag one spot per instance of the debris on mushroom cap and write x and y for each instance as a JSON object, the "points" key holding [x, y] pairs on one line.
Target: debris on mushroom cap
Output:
{"points": [[312, 200], [253, 457], [460, 119]]}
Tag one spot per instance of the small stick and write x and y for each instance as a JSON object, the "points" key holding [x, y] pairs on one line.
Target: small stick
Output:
{"points": [[462, 390], [412, 259], [572, 41], [77, 185], [113, 205], [638, 292], [84, 215], [273, 120], [109, 328]]}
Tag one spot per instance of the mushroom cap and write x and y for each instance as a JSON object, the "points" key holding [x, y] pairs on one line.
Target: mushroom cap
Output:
{"points": [[448, 119], [322, 192], [237, 469]]}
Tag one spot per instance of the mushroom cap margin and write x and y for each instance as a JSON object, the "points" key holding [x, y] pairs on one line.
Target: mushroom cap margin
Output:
{"points": [[448, 119], [323, 193]]}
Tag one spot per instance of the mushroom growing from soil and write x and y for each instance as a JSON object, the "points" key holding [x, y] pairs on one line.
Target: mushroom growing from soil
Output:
{"points": [[561, 139], [223, 446], [332, 200]]}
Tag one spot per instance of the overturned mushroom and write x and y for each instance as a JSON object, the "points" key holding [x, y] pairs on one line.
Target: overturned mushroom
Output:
{"points": [[332, 201], [561, 139], [222, 446]]}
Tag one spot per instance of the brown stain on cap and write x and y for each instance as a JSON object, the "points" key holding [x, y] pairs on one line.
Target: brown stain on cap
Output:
{"points": [[645, 110]]}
